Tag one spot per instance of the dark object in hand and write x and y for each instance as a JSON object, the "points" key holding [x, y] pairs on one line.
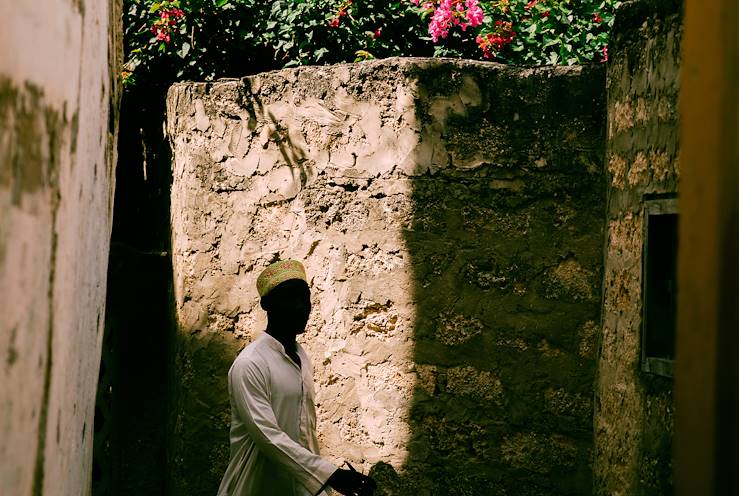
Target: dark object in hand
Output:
{"points": [[352, 483]]}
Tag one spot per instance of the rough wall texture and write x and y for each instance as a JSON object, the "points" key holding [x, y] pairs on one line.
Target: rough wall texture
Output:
{"points": [[634, 410], [450, 215], [58, 109]]}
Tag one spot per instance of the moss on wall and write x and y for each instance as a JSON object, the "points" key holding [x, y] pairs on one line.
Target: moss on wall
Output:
{"points": [[30, 148], [506, 261], [634, 409], [57, 154]]}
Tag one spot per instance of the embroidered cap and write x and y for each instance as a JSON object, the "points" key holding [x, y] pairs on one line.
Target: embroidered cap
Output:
{"points": [[277, 273]]}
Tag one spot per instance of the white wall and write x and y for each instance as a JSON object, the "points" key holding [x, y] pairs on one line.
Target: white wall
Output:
{"points": [[57, 163]]}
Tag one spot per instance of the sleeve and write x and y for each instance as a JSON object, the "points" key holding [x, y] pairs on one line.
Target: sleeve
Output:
{"points": [[251, 400]]}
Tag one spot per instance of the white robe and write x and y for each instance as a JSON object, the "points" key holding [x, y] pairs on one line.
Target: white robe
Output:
{"points": [[274, 449]]}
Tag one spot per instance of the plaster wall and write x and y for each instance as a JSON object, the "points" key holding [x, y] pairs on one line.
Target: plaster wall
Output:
{"points": [[634, 409], [449, 214], [58, 109]]}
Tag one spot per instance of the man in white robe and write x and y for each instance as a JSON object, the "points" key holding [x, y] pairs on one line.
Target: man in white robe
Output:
{"points": [[274, 449]]}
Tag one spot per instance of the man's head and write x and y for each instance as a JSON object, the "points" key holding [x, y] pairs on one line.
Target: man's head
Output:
{"points": [[285, 296]]}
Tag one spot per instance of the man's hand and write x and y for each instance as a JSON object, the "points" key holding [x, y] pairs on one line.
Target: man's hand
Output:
{"points": [[351, 483]]}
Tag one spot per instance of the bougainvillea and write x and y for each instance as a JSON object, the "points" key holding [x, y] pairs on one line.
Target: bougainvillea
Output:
{"points": [[205, 39], [166, 22], [446, 14], [494, 42], [534, 32]]}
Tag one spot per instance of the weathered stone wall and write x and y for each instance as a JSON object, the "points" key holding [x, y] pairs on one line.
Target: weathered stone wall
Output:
{"points": [[450, 216], [634, 409], [58, 114]]}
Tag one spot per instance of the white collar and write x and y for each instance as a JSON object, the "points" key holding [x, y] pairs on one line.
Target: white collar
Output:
{"points": [[275, 344]]}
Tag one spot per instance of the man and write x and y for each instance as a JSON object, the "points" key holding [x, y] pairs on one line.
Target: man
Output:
{"points": [[274, 449]]}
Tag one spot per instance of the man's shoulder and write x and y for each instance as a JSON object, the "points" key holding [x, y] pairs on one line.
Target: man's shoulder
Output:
{"points": [[252, 356]]}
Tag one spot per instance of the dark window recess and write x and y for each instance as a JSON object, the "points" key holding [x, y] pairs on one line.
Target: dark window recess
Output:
{"points": [[659, 286]]}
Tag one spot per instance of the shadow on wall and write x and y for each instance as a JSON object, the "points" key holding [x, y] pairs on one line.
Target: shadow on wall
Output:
{"points": [[506, 255], [135, 388], [456, 297]]}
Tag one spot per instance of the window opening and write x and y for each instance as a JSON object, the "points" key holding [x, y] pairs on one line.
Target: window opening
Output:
{"points": [[659, 286]]}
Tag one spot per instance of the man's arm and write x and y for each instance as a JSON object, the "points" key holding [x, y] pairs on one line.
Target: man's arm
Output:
{"points": [[251, 400]]}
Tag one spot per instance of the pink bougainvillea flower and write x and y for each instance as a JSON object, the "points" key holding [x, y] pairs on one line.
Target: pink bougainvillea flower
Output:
{"points": [[378, 33], [604, 56], [441, 20], [530, 5], [445, 14], [597, 18], [166, 21], [474, 13]]}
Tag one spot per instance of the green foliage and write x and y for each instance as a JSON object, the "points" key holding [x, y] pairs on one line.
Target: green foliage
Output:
{"points": [[205, 39], [557, 32]]}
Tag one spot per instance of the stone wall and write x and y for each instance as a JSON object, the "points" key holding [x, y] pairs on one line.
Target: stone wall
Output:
{"points": [[58, 115], [450, 216], [634, 409]]}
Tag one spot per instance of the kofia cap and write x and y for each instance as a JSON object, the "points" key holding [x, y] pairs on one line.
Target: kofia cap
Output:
{"points": [[277, 273]]}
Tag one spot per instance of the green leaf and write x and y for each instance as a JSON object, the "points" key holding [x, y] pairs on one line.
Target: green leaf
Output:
{"points": [[221, 3], [154, 7], [182, 52]]}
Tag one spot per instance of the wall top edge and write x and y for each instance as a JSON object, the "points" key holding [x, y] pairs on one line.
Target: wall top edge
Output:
{"points": [[632, 14], [413, 63]]}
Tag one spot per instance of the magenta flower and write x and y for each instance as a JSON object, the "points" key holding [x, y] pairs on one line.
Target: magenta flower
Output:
{"points": [[450, 13], [441, 21], [474, 13]]}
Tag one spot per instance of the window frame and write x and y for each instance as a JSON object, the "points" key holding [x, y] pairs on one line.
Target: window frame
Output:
{"points": [[653, 206]]}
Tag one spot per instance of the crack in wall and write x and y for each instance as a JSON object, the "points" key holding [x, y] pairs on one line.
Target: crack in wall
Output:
{"points": [[38, 477]]}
